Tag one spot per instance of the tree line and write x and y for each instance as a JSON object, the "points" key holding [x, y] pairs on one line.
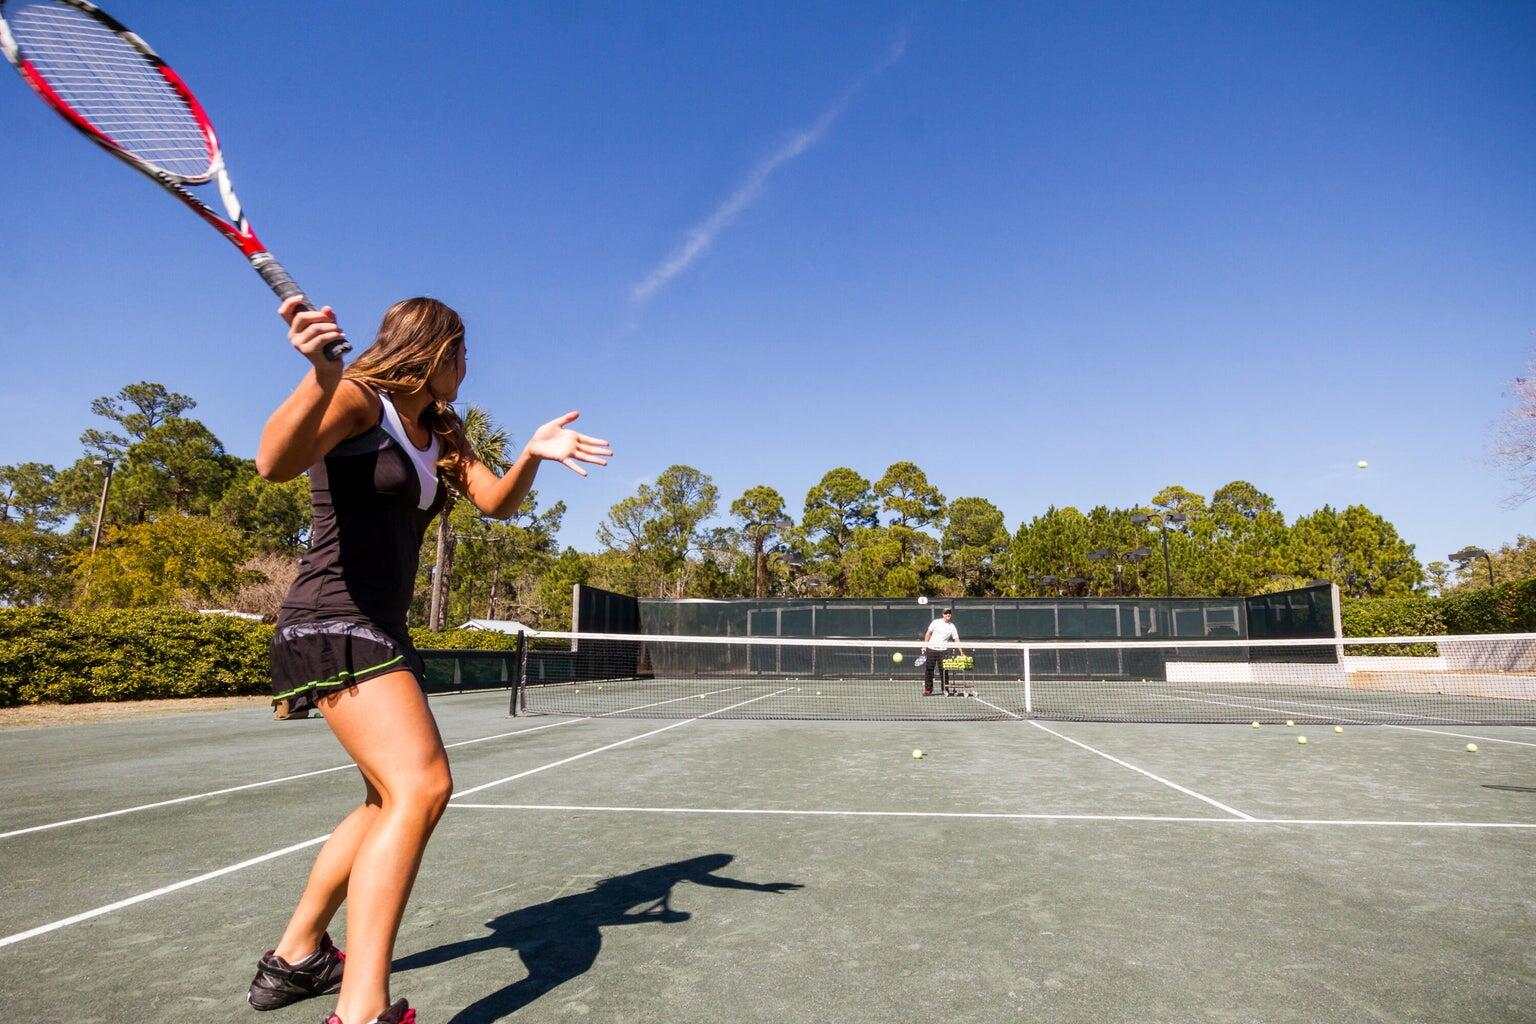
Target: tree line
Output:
{"points": [[185, 523]]}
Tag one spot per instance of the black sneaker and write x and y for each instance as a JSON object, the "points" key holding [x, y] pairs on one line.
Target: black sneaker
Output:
{"points": [[279, 983], [400, 1013]]}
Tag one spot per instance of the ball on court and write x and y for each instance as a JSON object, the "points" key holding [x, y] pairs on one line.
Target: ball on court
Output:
{"points": [[1362, 464], [1338, 728], [1255, 725], [917, 754], [1289, 724], [1471, 748], [896, 657], [922, 600], [1302, 740]]}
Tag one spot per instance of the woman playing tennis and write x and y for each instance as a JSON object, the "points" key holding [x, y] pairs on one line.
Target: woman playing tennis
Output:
{"points": [[382, 444]]}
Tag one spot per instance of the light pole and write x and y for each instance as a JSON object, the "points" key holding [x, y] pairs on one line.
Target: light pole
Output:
{"points": [[1467, 555], [1121, 557], [101, 509], [1163, 519]]}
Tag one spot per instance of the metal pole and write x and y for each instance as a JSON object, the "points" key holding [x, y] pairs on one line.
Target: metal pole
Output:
{"points": [[519, 670], [1167, 566], [101, 509]]}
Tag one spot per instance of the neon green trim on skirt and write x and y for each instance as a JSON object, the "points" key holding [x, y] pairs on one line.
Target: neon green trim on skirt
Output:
{"points": [[339, 680]]}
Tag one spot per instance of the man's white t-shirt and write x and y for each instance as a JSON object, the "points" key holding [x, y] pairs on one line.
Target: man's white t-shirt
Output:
{"points": [[941, 634]]}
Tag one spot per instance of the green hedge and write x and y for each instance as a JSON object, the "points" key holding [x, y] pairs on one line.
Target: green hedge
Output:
{"points": [[50, 656], [463, 639], [1506, 608], [1392, 616]]}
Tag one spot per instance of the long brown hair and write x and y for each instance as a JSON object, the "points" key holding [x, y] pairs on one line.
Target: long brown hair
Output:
{"points": [[416, 337]]}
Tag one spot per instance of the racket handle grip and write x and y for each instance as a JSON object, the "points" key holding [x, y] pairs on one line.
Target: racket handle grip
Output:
{"points": [[279, 281]]}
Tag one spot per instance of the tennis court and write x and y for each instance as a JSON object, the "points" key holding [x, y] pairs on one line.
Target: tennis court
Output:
{"points": [[706, 869]]}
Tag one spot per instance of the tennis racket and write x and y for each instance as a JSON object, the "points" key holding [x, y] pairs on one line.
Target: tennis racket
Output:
{"points": [[108, 84]]}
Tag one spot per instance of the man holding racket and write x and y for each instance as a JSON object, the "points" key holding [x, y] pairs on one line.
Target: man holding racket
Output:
{"points": [[382, 444], [941, 632]]}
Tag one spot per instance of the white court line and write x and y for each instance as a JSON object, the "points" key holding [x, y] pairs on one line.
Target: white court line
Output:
{"points": [[620, 743], [250, 785], [1282, 704], [999, 815], [1155, 778], [994, 707], [130, 901], [173, 887], [322, 771], [1462, 735], [995, 815]]}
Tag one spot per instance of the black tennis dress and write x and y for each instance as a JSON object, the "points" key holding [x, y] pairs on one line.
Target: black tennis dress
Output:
{"points": [[343, 620]]}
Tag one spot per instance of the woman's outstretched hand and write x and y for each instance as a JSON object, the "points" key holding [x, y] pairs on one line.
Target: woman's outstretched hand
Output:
{"points": [[555, 442]]}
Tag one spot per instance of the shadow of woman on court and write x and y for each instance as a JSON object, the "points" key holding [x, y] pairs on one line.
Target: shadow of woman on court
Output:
{"points": [[559, 940]]}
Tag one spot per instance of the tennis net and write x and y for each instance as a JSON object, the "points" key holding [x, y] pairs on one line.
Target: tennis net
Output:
{"points": [[1378, 680]]}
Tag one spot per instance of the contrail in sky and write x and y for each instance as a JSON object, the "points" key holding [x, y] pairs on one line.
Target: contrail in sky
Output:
{"points": [[702, 235]]}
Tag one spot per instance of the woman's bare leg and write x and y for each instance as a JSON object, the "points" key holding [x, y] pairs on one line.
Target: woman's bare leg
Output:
{"points": [[386, 727], [327, 886]]}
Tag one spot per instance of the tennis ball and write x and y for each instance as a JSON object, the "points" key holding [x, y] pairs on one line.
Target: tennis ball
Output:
{"points": [[1255, 725], [1338, 728], [896, 657], [818, 693], [1362, 464], [917, 754], [1302, 740], [1471, 748], [1290, 724]]}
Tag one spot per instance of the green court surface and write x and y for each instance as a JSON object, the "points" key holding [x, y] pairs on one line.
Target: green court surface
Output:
{"points": [[702, 870]]}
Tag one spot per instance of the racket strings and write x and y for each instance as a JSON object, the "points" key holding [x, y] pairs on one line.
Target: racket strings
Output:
{"points": [[113, 86]]}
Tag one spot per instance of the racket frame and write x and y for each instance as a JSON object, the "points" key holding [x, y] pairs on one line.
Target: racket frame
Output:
{"points": [[236, 227]]}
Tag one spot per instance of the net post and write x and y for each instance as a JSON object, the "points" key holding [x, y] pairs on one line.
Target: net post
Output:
{"points": [[1029, 704], [1338, 619], [519, 665]]}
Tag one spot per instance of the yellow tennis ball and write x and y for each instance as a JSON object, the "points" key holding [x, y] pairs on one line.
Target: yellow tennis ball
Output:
{"points": [[1338, 728], [1290, 724], [1471, 748], [818, 693], [896, 657], [1302, 740], [1255, 725], [917, 754], [1362, 463]]}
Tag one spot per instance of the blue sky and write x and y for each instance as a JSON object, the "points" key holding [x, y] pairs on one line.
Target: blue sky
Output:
{"points": [[1056, 254]]}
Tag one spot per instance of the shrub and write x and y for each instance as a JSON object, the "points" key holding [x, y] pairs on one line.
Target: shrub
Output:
{"points": [[1392, 616], [1506, 608], [51, 656]]}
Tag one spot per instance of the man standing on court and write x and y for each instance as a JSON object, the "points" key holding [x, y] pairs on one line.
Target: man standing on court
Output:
{"points": [[937, 637]]}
